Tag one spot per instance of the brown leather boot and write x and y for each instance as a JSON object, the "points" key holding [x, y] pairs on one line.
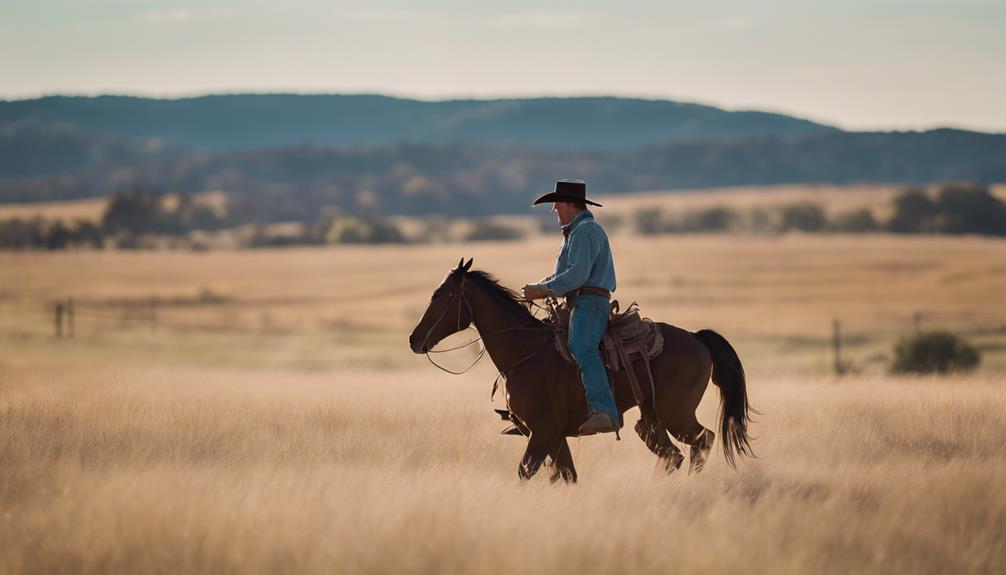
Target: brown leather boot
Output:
{"points": [[598, 422]]}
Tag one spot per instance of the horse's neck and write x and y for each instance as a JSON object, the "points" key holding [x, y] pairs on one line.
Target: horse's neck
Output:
{"points": [[508, 335]]}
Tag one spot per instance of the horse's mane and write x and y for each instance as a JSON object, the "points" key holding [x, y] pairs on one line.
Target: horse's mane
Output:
{"points": [[506, 297]]}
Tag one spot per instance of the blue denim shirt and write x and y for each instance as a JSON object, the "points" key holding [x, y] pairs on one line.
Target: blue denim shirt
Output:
{"points": [[584, 259]]}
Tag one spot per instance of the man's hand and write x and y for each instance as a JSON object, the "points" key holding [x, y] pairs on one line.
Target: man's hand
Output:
{"points": [[535, 291]]}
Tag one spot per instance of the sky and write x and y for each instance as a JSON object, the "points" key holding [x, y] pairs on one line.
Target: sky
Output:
{"points": [[857, 64]]}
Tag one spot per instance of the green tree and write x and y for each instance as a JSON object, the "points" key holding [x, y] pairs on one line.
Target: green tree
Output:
{"points": [[362, 230], [649, 221], [857, 221], [489, 231], [914, 212], [970, 209], [57, 236], [21, 234], [136, 211], [714, 219], [87, 233], [802, 216]]}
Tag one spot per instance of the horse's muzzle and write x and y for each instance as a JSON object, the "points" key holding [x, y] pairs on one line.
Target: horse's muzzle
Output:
{"points": [[415, 346]]}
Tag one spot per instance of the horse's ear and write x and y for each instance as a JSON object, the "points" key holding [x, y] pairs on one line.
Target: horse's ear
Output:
{"points": [[468, 265], [461, 262]]}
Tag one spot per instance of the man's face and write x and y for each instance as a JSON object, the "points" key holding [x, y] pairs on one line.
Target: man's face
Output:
{"points": [[565, 212]]}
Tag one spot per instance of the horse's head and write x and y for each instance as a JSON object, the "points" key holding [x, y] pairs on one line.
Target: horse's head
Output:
{"points": [[447, 313]]}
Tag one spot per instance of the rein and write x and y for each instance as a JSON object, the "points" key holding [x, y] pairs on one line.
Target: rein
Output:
{"points": [[460, 294]]}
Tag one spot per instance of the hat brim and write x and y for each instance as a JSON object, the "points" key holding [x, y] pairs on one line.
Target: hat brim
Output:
{"points": [[557, 197]]}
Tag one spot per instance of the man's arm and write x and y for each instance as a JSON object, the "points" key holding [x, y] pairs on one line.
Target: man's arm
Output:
{"points": [[584, 245]]}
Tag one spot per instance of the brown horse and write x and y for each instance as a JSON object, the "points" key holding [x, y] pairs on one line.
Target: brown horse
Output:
{"points": [[544, 395]]}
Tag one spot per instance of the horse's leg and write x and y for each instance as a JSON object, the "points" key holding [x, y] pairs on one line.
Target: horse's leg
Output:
{"points": [[700, 450], [699, 438], [538, 446], [656, 439], [563, 463]]}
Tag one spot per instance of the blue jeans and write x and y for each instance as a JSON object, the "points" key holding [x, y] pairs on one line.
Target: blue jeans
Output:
{"points": [[587, 323]]}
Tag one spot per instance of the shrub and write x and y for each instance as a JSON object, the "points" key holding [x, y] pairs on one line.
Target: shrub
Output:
{"points": [[914, 212], [136, 211], [362, 230], [87, 233], [970, 209], [21, 234], [714, 219], [959, 208], [856, 221], [491, 231], [803, 216], [649, 221], [934, 352], [57, 236]]}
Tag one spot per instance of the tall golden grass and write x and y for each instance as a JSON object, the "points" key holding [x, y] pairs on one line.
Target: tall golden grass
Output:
{"points": [[204, 470]]}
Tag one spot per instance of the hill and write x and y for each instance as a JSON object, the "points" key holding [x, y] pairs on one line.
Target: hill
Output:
{"points": [[247, 121]]}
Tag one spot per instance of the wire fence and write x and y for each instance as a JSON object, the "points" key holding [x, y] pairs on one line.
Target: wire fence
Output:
{"points": [[70, 318], [844, 337]]}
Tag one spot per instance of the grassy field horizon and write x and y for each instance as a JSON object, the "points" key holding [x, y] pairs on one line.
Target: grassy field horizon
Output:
{"points": [[776, 297]]}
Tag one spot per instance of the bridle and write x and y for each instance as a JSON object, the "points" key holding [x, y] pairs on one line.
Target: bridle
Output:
{"points": [[459, 293]]}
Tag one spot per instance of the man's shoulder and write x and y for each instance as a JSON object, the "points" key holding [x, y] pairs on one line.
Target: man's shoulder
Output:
{"points": [[589, 226]]}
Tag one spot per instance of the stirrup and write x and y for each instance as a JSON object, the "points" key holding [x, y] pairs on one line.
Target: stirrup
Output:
{"points": [[611, 426]]}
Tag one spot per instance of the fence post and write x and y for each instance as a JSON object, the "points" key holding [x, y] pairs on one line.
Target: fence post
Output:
{"points": [[58, 320], [69, 318], [153, 314], [837, 342]]}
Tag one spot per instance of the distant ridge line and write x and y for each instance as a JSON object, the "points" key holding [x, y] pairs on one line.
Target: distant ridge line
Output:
{"points": [[268, 120]]}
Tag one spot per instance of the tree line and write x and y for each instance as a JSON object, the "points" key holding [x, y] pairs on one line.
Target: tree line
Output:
{"points": [[955, 208], [139, 218], [134, 216]]}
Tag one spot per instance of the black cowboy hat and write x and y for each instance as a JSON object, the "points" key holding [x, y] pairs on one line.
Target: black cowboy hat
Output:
{"points": [[567, 191]]}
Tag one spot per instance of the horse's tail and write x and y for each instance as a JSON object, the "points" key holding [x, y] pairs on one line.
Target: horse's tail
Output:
{"points": [[735, 412]]}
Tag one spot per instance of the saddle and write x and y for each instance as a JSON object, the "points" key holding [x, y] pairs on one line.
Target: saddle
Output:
{"points": [[628, 338]]}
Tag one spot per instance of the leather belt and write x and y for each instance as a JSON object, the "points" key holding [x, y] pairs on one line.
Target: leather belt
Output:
{"points": [[588, 290]]}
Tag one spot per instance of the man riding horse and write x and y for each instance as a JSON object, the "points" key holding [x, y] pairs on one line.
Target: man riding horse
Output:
{"points": [[585, 276], [544, 391]]}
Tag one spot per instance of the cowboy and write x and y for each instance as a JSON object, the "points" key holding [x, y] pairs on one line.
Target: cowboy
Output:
{"points": [[585, 276]]}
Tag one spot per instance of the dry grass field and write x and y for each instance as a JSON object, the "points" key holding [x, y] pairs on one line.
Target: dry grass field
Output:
{"points": [[260, 411], [775, 297], [212, 470]]}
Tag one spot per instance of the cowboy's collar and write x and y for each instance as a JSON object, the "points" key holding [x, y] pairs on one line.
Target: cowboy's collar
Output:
{"points": [[568, 228]]}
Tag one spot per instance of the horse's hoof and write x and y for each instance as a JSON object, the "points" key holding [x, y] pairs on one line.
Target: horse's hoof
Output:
{"points": [[512, 430], [700, 452], [673, 462]]}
